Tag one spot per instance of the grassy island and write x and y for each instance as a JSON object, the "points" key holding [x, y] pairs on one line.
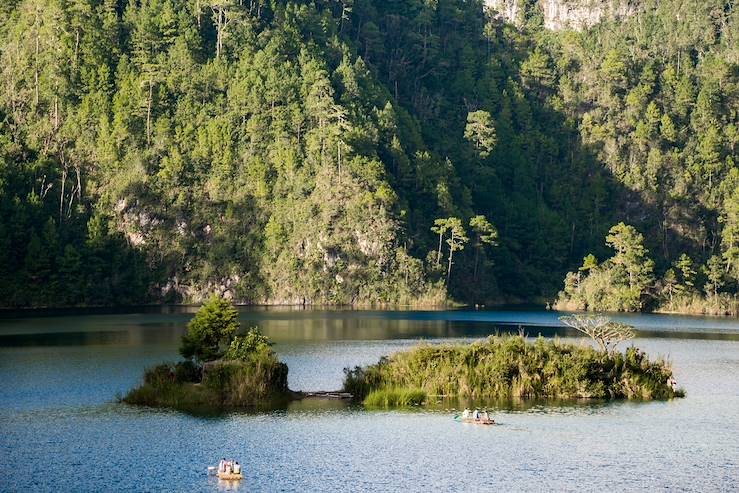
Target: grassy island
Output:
{"points": [[223, 384], [509, 366], [221, 370]]}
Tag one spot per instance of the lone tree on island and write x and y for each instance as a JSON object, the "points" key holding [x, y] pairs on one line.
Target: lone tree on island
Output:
{"points": [[606, 333], [210, 331]]}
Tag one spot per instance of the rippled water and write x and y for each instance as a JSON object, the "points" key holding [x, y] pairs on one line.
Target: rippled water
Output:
{"points": [[59, 376]]}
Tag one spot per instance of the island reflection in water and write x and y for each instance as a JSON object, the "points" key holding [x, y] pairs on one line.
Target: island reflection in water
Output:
{"points": [[60, 374]]}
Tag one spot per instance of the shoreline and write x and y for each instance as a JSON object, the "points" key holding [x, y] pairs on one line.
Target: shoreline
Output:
{"points": [[189, 308]]}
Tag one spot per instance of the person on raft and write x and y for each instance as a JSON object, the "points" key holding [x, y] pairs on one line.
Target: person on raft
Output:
{"points": [[229, 467]]}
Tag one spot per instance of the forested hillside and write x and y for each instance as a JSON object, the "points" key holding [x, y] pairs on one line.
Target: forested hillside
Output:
{"points": [[360, 151]]}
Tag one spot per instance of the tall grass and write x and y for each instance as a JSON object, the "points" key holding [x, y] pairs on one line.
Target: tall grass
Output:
{"points": [[508, 367], [395, 397], [720, 304], [260, 379]]}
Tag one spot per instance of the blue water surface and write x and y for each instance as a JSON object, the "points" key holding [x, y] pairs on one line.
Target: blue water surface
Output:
{"points": [[59, 376]]}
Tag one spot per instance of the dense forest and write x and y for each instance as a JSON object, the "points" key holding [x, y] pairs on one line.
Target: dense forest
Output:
{"points": [[367, 151]]}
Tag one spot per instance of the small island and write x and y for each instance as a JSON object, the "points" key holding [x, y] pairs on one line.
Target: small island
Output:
{"points": [[504, 367], [221, 370]]}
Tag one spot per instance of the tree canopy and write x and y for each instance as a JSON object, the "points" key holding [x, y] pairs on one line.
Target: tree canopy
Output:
{"points": [[211, 331], [301, 152]]}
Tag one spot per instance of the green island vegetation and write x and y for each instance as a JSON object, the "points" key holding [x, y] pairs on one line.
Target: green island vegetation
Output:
{"points": [[367, 152], [626, 282], [509, 367], [221, 370]]}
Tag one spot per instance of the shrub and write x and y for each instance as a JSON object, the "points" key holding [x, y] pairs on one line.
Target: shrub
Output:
{"points": [[187, 371], [243, 384], [212, 328], [244, 347]]}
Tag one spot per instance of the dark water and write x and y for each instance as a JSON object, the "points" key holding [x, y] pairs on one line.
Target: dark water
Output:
{"points": [[61, 430]]}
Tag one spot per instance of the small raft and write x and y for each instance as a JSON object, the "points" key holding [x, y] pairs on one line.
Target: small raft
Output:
{"points": [[474, 421], [230, 476]]}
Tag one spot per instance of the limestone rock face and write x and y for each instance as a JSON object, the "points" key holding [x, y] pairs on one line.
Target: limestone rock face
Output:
{"points": [[567, 14]]}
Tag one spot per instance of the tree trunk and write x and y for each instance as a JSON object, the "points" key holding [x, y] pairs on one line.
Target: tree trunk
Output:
{"points": [[76, 47], [220, 25], [438, 256], [79, 184], [61, 194], [451, 253]]}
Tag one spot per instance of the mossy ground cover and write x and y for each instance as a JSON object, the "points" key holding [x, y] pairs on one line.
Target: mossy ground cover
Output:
{"points": [[504, 367]]}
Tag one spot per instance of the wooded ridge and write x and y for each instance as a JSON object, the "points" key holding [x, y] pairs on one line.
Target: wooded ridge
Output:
{"points": [[367, 152]]}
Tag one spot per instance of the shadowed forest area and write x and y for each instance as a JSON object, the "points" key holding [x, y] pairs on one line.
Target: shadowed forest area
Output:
{"points": [[367, 152]]}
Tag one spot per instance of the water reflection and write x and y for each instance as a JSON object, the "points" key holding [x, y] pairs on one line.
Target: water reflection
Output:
{"points": [[167, 329], [59, 376]]}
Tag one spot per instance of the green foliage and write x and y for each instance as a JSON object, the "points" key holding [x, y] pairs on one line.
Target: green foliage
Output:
{"points": [[238, 384], [480, 131], [684, 265], [395, 397], [215, 387], [212, 328], [245, 347], [180, 372], [504, 367], [621, 283], [300, 151]]}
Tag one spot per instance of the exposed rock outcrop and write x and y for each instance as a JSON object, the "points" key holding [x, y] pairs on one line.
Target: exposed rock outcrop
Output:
{"points": [[567, 14]]}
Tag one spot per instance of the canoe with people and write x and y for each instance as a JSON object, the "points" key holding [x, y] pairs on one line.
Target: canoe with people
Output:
{"points": [[227, 469], [475, 417]]}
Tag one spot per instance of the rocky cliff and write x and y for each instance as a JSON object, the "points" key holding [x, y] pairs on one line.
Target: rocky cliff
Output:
{"points": [[566, 14]]}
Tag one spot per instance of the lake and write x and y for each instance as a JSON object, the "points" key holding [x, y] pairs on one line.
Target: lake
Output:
{"points": [[62, 430]]}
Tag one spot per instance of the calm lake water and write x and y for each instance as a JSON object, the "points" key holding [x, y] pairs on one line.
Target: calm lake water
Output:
{"points": [[61, 429]]}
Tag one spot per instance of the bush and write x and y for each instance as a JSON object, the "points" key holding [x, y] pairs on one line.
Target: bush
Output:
{"points": [[165, 373], [212, 328], [250, 374], [244, 347], [244, 384], [187, 371], [224, 385]]}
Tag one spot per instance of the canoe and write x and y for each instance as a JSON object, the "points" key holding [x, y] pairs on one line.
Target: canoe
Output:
{"points": [[474, 421], [230, 476]]}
